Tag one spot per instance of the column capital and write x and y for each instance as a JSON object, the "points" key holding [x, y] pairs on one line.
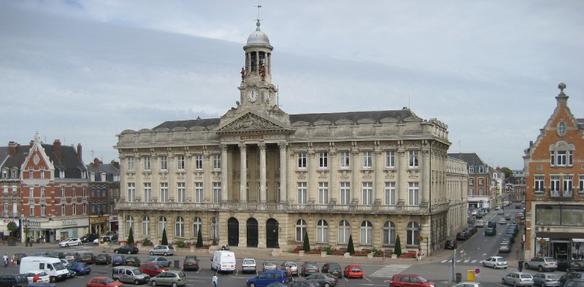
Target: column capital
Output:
{"points": [[224, 147], [282, 145], [241, 145], [262, 145]]}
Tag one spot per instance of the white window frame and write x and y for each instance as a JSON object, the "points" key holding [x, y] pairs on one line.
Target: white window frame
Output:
{"points": [[302, 159], [390, 193], [390, 159], [413, 159], [163, 163], [323, 160], [181, 193], [345, 159], [345, 192], [323, 192], [199, 192], [43, 210], [389, 233], [145, 225], [322, 231], [197, 225], [568, 185], [538, 184], [180, 162], [367, 159], [300, 230], [162, 223], [131, 192], [367, 193], [554, 186], [147, 191], [581, 183], [413, 233], [146, 163], [216, 191], [179, 227], [344, 232], [130, 162], [164, 192], [217, 161], [302, 192], [366, 233], [413, 194]]}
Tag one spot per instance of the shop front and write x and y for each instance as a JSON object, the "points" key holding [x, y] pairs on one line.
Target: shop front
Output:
{"points": [[49, 229], [562, 246], [98, 224]]}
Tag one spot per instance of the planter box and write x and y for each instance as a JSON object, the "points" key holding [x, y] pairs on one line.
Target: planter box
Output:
{"points": [[347, 255], [323, 254], [301, 253]]}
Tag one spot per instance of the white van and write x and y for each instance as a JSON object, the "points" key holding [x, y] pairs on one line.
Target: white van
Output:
{"points": [[52, 266], [223, 261]]}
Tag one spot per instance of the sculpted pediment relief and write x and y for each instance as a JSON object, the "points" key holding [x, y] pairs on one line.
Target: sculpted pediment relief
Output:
{"points": [[251, 122]]}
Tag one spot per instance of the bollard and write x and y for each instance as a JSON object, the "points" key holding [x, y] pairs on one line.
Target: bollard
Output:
{"points": [[458, 277]]}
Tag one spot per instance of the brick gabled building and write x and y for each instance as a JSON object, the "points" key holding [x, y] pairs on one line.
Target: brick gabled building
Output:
{"points": [[51, 183], [554, 166], [104, 190], [480, 193]]}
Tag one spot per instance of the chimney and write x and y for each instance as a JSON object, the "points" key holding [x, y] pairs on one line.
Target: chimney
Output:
{"points": [[12, 148], [96, 162], [57, 148], [79, 152]]}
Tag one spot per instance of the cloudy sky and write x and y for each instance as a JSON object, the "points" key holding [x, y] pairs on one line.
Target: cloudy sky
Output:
{"points": [[83, 71]]}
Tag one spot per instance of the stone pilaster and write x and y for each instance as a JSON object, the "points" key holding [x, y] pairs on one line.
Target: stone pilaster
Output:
{"points": [[283, 173], [224, 175], [262, 148], [243, 173]]}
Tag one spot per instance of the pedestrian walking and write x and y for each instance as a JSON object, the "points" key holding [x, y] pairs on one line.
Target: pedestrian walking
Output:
{"points": [[5, 257], [419, 254], [215, 280]]}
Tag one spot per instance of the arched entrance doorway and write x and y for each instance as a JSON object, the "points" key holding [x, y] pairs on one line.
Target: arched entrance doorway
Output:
{"points": [[252, 232], [272, 233], [232, 232]]}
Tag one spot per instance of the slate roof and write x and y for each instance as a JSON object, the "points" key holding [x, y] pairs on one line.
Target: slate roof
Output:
{"points": [[3, 153], [67, 159], [110, 171], [354, 117], [469, 158]]}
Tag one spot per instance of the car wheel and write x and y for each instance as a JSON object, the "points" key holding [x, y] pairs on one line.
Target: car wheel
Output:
{"points": [[52, 279], [136, 282], [151, 253], [540, 269], [252, 285], [173, 284], [165, 254], [153, 283], [116, 251], [326, 285]]}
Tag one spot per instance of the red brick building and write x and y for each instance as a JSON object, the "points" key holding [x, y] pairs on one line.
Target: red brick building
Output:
{"points": [[554, 194], [52, 189]]}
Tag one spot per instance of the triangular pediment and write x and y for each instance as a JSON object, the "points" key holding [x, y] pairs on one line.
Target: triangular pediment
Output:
{"points": [[251, 122]]}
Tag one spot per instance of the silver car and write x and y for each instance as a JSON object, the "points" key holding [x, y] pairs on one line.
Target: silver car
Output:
{"points": [[546, 280], [518, 279], [542, 264], [495, 262], [164, 250], [248, 265]]}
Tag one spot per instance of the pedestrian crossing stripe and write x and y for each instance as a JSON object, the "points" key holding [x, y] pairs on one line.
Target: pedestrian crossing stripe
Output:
{"points": [[389, 270]]}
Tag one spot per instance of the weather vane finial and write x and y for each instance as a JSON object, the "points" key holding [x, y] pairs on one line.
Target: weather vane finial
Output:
{"points": [[258, 19]]}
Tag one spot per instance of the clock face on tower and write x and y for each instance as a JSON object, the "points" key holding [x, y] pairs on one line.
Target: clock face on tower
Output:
{"points": [[253, 95]]}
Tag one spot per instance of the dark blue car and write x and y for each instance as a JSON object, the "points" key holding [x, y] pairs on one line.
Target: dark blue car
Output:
{"points": [[268, 277], [80, 268]]}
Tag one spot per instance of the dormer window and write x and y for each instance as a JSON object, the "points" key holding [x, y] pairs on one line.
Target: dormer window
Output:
{"points": [[14, 173], [561, 154], [84, 174]]}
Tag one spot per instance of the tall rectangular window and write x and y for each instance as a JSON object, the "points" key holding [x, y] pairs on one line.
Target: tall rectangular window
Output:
{"points": [[323, 159], [199, 161], [131, 191], [147, 163], [163, 191], [367, 190], [302, 193], [43, 210], [567, 192], [413, 194], [538, 184], [74, 206], [216, 192], [413, 159], [367, 159], [390, 193], [130, 163], [31, 210], [581, 183], [62, 209], [555, 186], [345, 159], [302, 160], [147, 192], [323, 197], [561, 158], [180, 162], [345, 193], [163, 163], [199, 192], [390, 159], [180, 192], [570, 157], [552, 158], [216, 161]]}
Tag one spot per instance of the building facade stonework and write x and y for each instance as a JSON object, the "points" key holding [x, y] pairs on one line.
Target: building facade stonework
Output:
{"points": [[259, 177], [554, 187]]}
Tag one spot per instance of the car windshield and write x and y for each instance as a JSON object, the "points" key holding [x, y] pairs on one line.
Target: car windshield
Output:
{"points": [[552, 276], [248, 261], [525, 276], [107, 281], [137, 272], [356, 269], [58, 266], [420, 279]]}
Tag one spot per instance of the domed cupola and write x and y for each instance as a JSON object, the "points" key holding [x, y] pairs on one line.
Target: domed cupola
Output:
{"points": [[258, 38]]}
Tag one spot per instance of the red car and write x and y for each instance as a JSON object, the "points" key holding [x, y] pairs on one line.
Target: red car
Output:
{"points": [[103, 282], [151, 268], [353, 271], [409, 280]]}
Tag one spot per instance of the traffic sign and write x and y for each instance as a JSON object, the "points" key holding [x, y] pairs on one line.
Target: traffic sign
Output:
{"points": [[477, 270]]}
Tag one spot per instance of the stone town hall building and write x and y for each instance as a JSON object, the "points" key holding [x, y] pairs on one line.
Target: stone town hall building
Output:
{"points": [[259, 177]]}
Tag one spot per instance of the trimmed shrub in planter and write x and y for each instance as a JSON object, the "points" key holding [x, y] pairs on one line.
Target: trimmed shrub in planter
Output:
{"points": [[147, 242], [180, 244]]}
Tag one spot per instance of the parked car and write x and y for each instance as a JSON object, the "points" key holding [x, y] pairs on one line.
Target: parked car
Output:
{"points": [[504, 248], [103, 282], [17, 256], [169, 278], [573, 265], [162, 261], [332, 269], [451, 244], [546, 280], [72, 256], [492, 223], [248, 265], [322, 280], [500, 212], [302, 283], [133, 261], [88, 238], [490, 231], [70, 242], [191, 263], [462, 235], [41, 284], [291, 267], [518, 279], [126, 249], [574, 283], [542, 264], [152, 268], [56, 254], [480, 223], [353, 271], [571, 275], [308, 268], [80, 268], [266, 278], [118, 260], [87, 257], [410, 280], [103, 259], [164, 250], [269, 265], [277, 284], [37, 276], [502, 221], [495, 262], [507, 217], [10, 280], [129, 274]]}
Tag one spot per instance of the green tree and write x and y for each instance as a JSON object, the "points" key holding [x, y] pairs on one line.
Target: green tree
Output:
{"points": [[164, 240], [199, 239], [306, 243], [397, 248], [12, 227], [507, 171], [130, 237], [351, 246]]}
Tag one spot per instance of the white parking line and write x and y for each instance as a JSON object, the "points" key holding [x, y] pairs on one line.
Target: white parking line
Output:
{"points": [[365, 277], [466, 261], [473, 261]]}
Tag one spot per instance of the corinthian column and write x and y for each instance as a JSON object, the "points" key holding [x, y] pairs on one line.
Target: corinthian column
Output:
{"points": [[262, 147], [243, 173], [283, 172], [224, 174]]}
